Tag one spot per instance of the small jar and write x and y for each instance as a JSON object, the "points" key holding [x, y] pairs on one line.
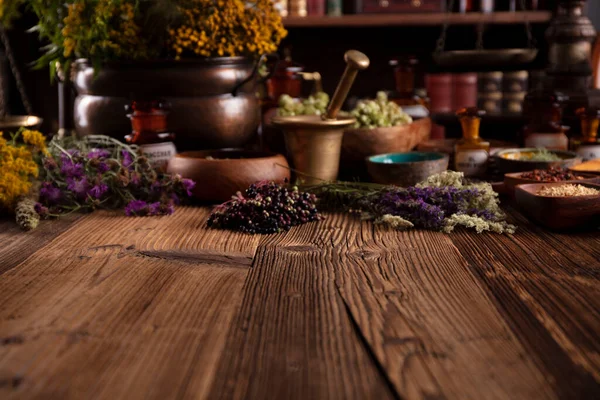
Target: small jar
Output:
{"points": [[544, 129], [515, 82], [405, 77], [513, 102], [150, 132], [471, 153], [491, 103], [587, 146], [489, 82]]}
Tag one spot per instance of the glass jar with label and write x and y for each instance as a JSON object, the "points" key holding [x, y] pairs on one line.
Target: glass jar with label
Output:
{"points": [[471, 153], [544, 129], [150, 131], [588, 144]]}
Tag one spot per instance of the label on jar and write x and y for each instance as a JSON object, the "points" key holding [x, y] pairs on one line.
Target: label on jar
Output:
{"points": [[589, 152], [159, 154], [471, 162], [552, 141]]}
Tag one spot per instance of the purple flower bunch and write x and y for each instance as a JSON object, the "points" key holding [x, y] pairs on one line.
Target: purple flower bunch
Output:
{"points": [[98, 178], [427, 207]]}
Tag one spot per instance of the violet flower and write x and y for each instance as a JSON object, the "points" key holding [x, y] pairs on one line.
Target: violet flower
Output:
{"points": [[97, 191], [188, 185], [135, 178], [41, 209], [154, 208], [98, 153], [102, 167], [136, 208], [127, 158], [71, 169], [50, 193], [78, 186]]}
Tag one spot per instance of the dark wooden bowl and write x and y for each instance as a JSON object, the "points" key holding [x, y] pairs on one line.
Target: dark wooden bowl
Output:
{"points": [[513, 179], [405, 169], [588, 167], [559, 213], [229, 171], [361, 143], [506, 162]]}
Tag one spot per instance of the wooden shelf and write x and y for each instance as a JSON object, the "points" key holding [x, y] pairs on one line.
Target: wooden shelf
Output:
{"points": [[416, 19]]}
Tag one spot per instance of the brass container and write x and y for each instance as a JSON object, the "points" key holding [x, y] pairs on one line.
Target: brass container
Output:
{"points": [[314, 145], [315, 142]]}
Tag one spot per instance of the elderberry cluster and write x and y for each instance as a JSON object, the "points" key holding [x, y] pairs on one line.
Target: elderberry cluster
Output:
{"points": [[265, 208]]}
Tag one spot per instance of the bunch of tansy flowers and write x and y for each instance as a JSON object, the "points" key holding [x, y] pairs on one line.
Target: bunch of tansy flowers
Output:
{"points": [[18, 166], [127, 30]]}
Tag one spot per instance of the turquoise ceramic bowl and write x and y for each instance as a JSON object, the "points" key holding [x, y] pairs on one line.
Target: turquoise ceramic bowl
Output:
{"points": [[405, 169]]}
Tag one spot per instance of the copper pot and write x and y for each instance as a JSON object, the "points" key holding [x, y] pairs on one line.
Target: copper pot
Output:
{"points": [[213, 100]]}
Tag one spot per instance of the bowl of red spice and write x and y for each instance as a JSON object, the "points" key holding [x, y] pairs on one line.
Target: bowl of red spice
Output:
{"points": [[552, 174], [561, 205]]}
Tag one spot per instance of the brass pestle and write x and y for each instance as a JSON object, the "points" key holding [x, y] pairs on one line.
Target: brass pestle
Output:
{"points": [[314, 142]]}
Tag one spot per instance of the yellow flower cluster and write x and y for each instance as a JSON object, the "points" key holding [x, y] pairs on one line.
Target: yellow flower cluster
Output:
{"points": [[18, 166], [227, 28], [104, 28]]}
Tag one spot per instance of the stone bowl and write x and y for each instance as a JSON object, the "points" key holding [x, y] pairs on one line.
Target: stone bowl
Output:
{"points": [[405, 169]]}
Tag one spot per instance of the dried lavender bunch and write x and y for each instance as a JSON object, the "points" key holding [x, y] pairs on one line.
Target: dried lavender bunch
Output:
{"points": [[102, 173], [441, 202], [265, 207]]}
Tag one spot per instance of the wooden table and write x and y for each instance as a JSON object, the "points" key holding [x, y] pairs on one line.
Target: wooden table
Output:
{"points": [[111, 307]]}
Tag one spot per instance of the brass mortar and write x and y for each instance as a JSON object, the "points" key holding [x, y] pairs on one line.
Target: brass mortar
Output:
{"points": [[314, 142]]}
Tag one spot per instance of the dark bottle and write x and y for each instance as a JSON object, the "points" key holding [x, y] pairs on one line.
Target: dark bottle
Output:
{"points": [[588, 144], [149, 131], [462, 6], [406, 77], [486, 6], [544, 129]]}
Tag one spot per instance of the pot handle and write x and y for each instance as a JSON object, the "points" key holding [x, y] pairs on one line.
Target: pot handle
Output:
{"points": [[262, 59]]}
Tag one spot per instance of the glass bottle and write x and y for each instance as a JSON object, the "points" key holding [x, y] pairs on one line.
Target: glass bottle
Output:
{"points": [[544, 129], [588, 144], [462, 6], [150, 132], [405, 78], [471, 153]]}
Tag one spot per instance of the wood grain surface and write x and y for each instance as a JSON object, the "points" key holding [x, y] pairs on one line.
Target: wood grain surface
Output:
{"points": [[110, 307]]}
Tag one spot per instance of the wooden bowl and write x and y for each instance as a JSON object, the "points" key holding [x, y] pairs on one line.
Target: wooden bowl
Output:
{"points": [[405, 169], [507, 160], [513, 179], [559, 213], [363, 142], [588, 167], [219, 174]]}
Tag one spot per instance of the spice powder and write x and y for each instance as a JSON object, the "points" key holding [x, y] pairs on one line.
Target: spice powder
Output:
{"points": [[567, 190]]}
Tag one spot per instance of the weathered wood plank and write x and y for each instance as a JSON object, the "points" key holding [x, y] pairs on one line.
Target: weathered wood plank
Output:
{"points": [[90, 316], [547, 286], [182, 236], [16, 245], [430, 322], [293, 338]]}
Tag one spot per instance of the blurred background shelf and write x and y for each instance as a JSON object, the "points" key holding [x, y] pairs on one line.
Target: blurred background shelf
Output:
{"points": [[417, 19]]}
